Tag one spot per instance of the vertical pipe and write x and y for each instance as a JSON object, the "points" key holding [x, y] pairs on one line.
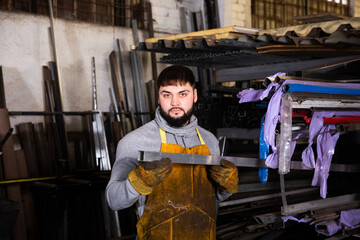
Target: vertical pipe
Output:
{"points": [[285, 134], [52, 32]]}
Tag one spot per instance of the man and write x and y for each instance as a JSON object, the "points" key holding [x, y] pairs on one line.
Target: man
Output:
{"points": [[175, 201]]}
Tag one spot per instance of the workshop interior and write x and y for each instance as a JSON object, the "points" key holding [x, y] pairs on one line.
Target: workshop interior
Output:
{"points": [[278, 84]]}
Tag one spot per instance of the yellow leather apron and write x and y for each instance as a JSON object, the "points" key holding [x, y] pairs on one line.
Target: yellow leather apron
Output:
{"points": [[183, 205]]}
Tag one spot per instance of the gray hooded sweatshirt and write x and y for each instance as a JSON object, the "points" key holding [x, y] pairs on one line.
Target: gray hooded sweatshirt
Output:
{"points": [[119, 191]]}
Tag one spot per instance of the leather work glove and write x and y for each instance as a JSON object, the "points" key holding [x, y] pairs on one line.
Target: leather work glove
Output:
{"points": [[149, 174], [226, 175]]}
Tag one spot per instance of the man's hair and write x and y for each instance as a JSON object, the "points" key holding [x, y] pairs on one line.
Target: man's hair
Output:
{"points": [[175, 74]]}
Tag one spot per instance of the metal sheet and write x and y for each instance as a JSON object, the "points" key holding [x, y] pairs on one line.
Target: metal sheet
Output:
{"points": [[265, 70], [147, 156]]}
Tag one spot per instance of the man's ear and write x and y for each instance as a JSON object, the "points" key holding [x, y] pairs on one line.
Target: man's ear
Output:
{"points": [[195, 95]]}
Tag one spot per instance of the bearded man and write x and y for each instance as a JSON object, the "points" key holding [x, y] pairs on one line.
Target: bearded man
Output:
{"points": [[174, 201]]}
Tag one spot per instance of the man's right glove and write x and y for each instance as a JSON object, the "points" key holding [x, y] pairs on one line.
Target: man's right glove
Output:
{"points": [[149, 174], [226, 175]]}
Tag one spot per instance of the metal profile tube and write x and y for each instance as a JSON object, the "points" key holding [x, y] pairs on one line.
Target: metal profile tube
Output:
{"points": [[264, 197], [290, 87], [182, 158], [285, 134], [320, 204], [139, 89]]}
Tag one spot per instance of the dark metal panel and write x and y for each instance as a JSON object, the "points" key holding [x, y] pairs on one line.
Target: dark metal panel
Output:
{"points": [[264, 70]]}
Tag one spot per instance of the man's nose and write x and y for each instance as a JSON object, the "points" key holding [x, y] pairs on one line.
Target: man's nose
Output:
{"points": [[174, 101]]}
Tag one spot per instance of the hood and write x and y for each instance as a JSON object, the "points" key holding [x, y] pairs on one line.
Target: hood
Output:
{"points": [[187, 130]]}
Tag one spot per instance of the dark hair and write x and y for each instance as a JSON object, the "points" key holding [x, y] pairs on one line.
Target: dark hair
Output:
{"points": [[175, 74]]}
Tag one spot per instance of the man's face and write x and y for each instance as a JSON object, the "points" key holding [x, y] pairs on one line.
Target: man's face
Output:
{"points": [[176, 103]]}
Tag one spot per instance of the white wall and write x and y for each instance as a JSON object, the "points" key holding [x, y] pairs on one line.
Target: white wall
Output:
{"points": [[25, 47]]}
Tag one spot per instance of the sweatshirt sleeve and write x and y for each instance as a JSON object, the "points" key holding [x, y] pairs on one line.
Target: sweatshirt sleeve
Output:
{"points": [[120, 193]]}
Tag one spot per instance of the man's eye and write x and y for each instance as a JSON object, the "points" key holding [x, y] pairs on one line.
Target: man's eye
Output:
{"points": [[183, 94], [166, 95]]}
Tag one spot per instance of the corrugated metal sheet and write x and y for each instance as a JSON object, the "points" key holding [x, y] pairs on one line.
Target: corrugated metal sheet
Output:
{"points": [[242, 47]]}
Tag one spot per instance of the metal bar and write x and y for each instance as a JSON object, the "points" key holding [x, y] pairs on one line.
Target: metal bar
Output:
{"points": [[101, 149], [319, 204], [53, 137], [2, 90], [265, 70], [114, 102], [116, 79], [307, 104], [285, 137], [53, 39], [283, 192], [127, 121], [290, 87], [122, 78], [255, 187], [141, 103], [7, 135], [152, 54], [118, 99], [44, 113], [268, 218], [60, 121], [147, 156], [139, 78], [336, 120], [95, 107], [264, 197], [200, 159]]}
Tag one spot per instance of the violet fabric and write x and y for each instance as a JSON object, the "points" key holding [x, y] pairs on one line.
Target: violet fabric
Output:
{"points": [[326, 143], [274, 86], [328, 228], [271, 120], [273, 117], [302, 220], [350, 218], [316, 124], [250, 95]]}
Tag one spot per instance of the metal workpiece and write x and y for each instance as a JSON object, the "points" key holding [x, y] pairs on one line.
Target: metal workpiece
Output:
{"points": [[263, 67], [138, 76], [100, 142], [265, 197], [147, 156], [323, 101], [268, 218], [285, 134], [321, 204]]}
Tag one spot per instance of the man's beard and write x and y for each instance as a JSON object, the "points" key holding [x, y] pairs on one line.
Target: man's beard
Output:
{"points": [[179, 121]]}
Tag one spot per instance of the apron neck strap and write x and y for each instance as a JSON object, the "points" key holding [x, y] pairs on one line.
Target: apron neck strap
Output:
{"points": [[163, 136]]}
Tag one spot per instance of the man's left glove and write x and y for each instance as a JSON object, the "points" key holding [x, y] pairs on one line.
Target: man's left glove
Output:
{"points": [[226, 175]]}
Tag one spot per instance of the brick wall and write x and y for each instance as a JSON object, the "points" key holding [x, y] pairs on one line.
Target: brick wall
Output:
{"points": [[356, 8], [241, 13]]}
